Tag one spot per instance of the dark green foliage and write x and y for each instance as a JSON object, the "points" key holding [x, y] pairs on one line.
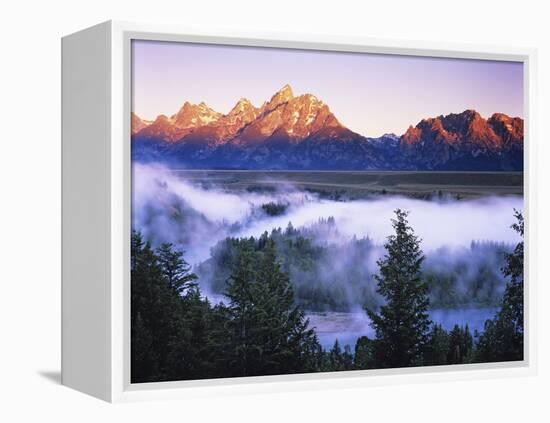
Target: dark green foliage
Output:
{"points": [[188, 355], [318, 284], [460, 345], [364, 353], [287, 339], [175, 268], [241, 310], [454, 347], [513, 296], [502, 339], [347, 358], [337, 276], [151, 326], [335, 359], [270, 334], [274, 209], [144, 360], [437, 347], [469, 278], [171, 323], [155, 313], [177, 334], [402, 324]]}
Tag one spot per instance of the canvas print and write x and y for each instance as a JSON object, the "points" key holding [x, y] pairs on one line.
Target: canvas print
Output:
{"points": [[299, 211]]}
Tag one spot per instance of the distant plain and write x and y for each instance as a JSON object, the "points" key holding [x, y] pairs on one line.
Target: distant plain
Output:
{"points": [[349, 185]]}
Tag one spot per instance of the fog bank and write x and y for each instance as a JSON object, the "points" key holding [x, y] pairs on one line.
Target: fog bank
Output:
{"points": [[464, 240], [167, 208]]}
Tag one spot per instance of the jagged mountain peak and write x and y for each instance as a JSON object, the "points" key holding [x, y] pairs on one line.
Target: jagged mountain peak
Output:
{"points": [[459, 140], [137, 124], [202, 107], [242, 106], [468, 125], [509, 128], [170, 129], [282, 96], [293, 118], [194, 115], [285, 91]]}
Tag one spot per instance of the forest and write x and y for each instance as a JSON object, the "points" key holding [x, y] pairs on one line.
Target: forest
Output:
{"points": [[260, 328], [338, 276]]}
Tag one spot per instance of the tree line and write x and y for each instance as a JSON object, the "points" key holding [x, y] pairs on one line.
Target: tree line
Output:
{"points": [[178, 334], [338, 276]]}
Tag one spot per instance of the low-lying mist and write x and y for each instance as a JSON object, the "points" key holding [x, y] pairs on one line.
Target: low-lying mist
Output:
{"points": [[463, 240]]}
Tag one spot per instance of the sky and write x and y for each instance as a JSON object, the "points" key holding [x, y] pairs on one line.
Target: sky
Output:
{"points": [[371, 94]]}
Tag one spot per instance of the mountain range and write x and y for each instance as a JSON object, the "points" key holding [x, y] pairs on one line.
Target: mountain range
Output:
{"points": [[291, 132]]}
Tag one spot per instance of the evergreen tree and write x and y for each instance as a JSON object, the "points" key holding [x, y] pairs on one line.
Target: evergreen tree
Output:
{"points": [[437, 348], [335, 358], [290, 229], [170, 322], [241, 309], [286, 337], [191, 350], [460, 345], [272, 334], [402, 323], [312, 354], [155, 314], [513, 296], [502, 339], [176, 270], [347, 358], [220, 341], [364, 353], [144, 360]]}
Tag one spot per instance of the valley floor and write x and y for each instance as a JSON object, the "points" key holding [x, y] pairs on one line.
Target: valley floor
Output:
{"points": [[361, 184]]}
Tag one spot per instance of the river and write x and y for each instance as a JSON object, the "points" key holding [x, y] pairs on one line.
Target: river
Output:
{"points": [[348, 326]]}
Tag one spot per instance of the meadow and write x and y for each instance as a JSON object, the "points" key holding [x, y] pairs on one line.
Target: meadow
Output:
{"points": [[361, 184]]}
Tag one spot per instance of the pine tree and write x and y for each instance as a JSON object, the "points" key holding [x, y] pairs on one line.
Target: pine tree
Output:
{"points": [[170, 321], [176, 270], [513, 296], [290, 229], [347, 358], [460, 345], [241, 308], [287, 339], [271, 333], [192, 350], [502, 339], [437, 347], [144, 360], [402, 324], [364, 353], [335, 357], [155, 313]]}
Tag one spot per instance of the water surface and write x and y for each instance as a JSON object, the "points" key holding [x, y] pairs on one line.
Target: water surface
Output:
{"points": [[348, 326]]}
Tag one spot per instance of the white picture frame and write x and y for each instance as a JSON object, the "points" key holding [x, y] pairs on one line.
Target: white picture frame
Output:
{"points": [[96, 230]]}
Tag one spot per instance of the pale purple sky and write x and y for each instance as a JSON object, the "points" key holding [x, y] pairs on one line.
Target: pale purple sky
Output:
{"points": [[371, 94]]}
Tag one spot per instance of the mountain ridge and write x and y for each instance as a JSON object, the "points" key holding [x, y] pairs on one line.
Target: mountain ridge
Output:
{"points": [[301, 132]]}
